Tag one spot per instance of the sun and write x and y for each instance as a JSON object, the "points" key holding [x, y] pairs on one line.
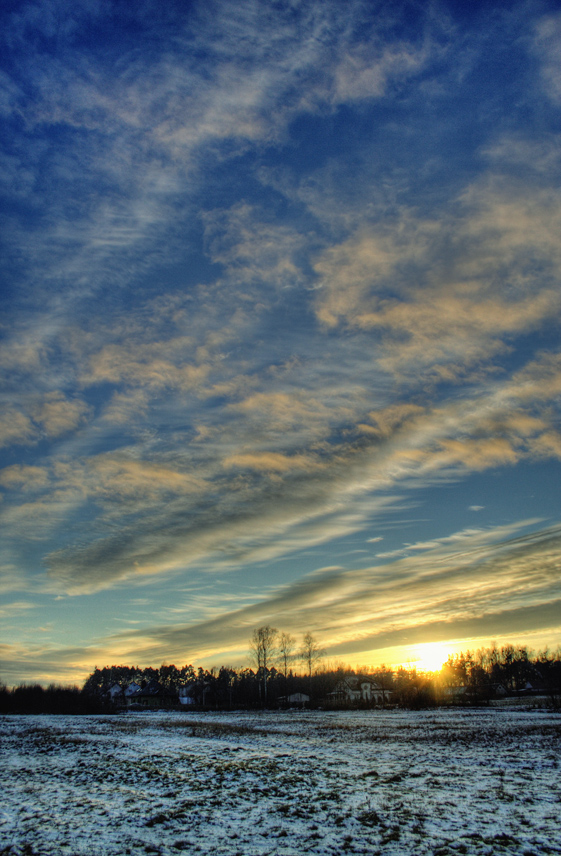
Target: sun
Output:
{"points": [[430, 656]]}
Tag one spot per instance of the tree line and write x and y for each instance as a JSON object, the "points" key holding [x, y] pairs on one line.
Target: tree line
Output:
{"points": [[272, 680], [510, 670]]}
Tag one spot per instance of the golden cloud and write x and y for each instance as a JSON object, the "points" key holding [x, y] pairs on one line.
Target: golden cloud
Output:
{"points": [[58, 415], [119, 477], [24, 478], [16, 427], [273, 462]]}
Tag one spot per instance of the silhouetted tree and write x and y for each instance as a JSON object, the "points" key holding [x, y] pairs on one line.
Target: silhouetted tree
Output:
{"points": [[286, 646], [262, 648], [310, 654]]}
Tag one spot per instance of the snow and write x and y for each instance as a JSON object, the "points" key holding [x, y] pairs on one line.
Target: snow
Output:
{"points": [[249, 784]]}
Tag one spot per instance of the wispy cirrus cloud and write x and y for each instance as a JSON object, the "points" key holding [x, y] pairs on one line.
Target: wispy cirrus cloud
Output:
{"points": [[477, 290], [15, 608], [465, 585], [415, 446], [546, 45], [130, 177], [24, 478]]}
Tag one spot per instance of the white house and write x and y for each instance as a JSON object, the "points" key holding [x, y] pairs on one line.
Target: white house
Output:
{"points": [[354, 690], [298, 698]]}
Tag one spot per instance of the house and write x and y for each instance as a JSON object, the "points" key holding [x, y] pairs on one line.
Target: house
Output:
{"points": [[295, 700], [188, 694], [114, 692], [132, 690], [355, 690], [454, 693], [298, 698], [153, 695]]}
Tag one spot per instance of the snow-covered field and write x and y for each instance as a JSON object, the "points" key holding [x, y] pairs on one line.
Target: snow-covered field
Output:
{"points": [[438, 782]]}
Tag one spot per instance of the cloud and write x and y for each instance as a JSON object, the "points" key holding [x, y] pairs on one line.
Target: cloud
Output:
{"points": [[59, 416], [479, 454], [547, 445], [54, 664], [392, 419], [154, 119], [221, 512], [303, 414], [458, 587], [52, 415], [12, 578], [121, 478], [41, 518], [368, 70], [546, 46], [12, 610], [24, 478], [125, 408], [538, 381], [460, 316], [521, 152], [271, 462], [518, 622], [255, 251], [148, 366], [16, 427]]}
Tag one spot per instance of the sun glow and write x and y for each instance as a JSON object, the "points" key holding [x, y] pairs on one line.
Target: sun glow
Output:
{"points": [[430, 656]]}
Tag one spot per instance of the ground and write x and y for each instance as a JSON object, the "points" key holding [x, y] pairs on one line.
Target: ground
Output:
{"points": [[388, 782]]}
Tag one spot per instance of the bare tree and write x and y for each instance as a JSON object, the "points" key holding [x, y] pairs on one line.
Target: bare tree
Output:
{"points": [[310, 654], [262, 647], [286, 646], [384, 677]]}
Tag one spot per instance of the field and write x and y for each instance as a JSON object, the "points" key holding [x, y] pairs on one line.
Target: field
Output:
{"points": [[391, 782]]}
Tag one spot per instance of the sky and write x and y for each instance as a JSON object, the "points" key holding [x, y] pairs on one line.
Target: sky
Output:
{"points": [[280, 330]]}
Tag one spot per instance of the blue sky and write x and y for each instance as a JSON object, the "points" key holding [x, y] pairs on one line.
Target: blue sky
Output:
{"points": [[280, 339]]}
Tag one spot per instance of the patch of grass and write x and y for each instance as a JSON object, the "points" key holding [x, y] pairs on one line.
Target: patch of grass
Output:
{"points": [[24, 850], [502, 839], [397, 777], [369, 818], [158, 818], [394, 835], [209, 729]]}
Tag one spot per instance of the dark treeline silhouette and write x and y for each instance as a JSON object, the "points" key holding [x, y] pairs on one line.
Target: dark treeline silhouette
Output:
{"points": [[507, 671], [33, 698], [467, 678]]}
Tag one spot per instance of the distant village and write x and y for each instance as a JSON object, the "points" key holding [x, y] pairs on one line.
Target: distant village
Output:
{"points": [[464, 679], [490, 676], [228, 688]]}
